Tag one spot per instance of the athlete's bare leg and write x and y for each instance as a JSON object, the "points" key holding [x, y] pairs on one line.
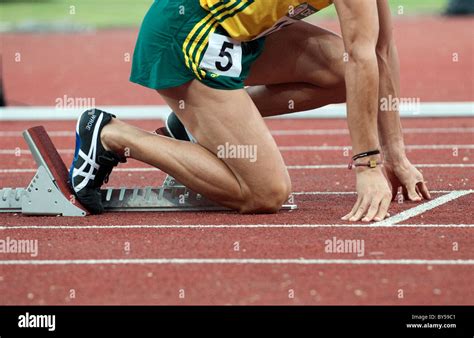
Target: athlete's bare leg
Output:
{"points": [[301, 68], [215, 118], [309, 73]]}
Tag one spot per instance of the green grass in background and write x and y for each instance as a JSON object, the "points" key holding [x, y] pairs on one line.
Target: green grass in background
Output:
{"points": [[409, 7], [129, 13], [88, 13]]}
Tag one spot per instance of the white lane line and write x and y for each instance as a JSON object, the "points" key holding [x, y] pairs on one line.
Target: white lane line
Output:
{"points": [[422, 208], [19, 151], [241, 261], [392, 222], [409, 147], [53, 133], [291, 167], [156, 112], [17, 171], [278, 132], [229, 226], [297, 193], [344, 166], [292, 148], [310, 132]]}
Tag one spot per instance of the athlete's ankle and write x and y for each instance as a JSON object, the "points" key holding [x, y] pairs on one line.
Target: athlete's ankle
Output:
{"points": [[110, 137]]}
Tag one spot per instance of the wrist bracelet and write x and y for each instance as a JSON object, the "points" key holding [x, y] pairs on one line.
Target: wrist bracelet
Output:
{"points": [[366, 154], [370, 164]]}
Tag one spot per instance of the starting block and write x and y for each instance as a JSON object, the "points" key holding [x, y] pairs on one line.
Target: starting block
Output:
{"points": [[49, 193]]}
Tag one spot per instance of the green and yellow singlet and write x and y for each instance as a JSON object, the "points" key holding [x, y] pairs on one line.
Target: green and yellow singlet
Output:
{"points": [[250, 19]]}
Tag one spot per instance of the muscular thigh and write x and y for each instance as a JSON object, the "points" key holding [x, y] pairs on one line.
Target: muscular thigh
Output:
{"points": [[222, 120], [300, 52]]}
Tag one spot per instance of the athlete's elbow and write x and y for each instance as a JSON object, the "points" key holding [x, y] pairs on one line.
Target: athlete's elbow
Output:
{"points": [[385, 50], [363, 53], [361, 46]]}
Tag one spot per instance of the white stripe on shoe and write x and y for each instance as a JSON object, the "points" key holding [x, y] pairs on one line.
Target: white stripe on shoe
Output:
{"points": [[89, 159]]}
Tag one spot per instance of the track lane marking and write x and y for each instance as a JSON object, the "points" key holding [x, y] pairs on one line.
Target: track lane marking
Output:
{"points": [[291, 167], [392, 222], [409, 147], [297, 193], [311, 132], [344, 166], [161, 112], [241, 261], [283, 132], [14, 151], [230, 226], [422, 208]]}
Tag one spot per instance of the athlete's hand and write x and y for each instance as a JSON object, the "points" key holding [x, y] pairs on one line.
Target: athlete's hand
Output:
{"points": [[373, 196], [404, 174]]}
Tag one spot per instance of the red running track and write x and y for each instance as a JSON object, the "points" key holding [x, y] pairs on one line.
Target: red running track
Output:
{"points": [[97, 64], [424, 259]]}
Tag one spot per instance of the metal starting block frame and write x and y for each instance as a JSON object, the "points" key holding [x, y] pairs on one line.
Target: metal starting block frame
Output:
{"points": [[49, 193]]}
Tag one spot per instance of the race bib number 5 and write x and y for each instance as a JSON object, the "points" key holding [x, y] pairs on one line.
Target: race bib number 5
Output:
{"points": [[223, 56]]}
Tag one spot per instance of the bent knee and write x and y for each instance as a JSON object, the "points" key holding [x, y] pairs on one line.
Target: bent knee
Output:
{"points": [[267, 199]]}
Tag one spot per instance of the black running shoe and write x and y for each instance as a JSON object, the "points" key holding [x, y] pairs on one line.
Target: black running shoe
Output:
{"points": [[175, 129], [92, 164]]}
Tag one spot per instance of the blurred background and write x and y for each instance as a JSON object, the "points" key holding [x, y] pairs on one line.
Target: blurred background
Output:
{"points": [[90, 14], [52, 49]]}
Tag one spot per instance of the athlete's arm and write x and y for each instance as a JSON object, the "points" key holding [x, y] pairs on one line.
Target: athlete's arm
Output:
{"points": [[390, 129], [399, 169], [360, 30]]}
